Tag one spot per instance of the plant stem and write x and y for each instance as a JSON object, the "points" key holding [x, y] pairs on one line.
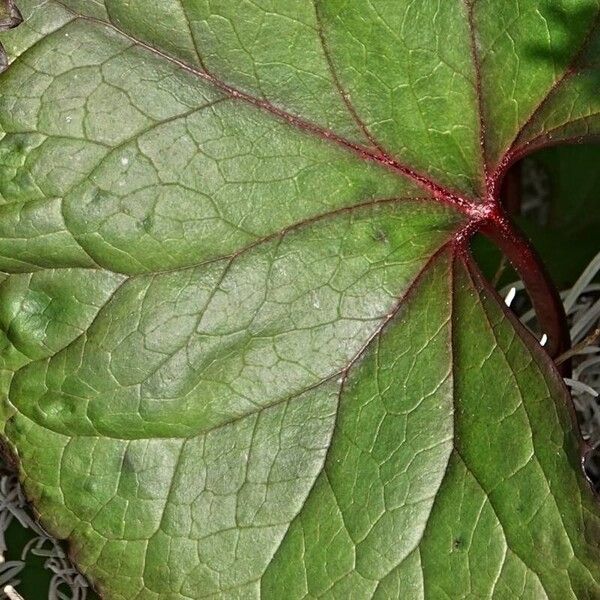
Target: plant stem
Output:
{"points": [[545, 297]]}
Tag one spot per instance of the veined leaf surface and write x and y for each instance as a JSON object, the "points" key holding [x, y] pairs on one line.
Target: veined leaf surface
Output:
{"points": [[245, 350]]}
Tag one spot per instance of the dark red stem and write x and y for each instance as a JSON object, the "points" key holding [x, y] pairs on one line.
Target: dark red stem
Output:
{"points": [[524, 258]]}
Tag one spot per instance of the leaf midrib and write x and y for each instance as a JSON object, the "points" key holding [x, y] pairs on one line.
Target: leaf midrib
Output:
{"points": [[513, 151], [485, 214], [527, 338], [441, 193], [340, 374]]}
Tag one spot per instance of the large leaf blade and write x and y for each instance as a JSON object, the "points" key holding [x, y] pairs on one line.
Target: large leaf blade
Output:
{"points": [[536, 61], [488, 509], [270, 239], [248, 354]]}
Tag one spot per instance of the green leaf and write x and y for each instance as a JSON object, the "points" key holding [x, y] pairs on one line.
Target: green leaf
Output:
{"points": [[245, 351]]}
